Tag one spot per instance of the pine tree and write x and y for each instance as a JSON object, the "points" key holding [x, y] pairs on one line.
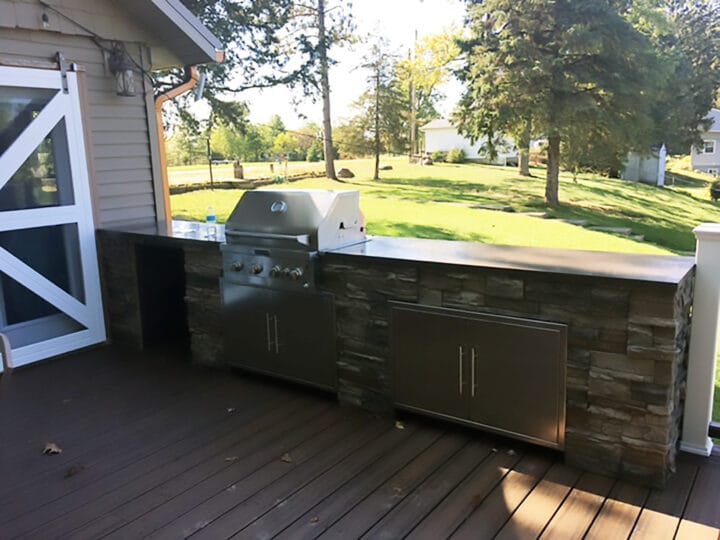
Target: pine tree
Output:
{"points": [[563, 64]]}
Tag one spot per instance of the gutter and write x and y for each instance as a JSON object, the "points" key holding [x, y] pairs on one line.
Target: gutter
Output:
{"points": [[191, 80]]}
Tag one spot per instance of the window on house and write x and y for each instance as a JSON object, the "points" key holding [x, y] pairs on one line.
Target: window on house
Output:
{"points": [[708, 147], [714, 172]]}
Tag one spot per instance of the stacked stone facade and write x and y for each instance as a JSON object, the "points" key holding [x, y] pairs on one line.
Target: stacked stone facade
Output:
{"points": [[627, 348], [203, 269], [121, 295]]}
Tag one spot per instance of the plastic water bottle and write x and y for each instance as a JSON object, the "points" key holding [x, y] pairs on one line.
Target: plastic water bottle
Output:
{"points": [[211, 221]]}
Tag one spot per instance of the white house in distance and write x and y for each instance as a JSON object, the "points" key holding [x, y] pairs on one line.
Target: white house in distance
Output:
{"points": [[706, 158], [442, 136]]}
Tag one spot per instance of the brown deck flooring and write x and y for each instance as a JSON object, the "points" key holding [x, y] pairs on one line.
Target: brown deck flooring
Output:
{"points": [[153, 447]]}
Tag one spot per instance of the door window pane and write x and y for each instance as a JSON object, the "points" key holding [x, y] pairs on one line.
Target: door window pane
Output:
{"points": [[52, 252], [26, 318], [19, 107], [45, 177]]}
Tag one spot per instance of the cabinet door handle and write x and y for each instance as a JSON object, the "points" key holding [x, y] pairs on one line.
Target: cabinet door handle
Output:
{"points": [[473, 357], [277, 336], [269, 335], [460, 369]]}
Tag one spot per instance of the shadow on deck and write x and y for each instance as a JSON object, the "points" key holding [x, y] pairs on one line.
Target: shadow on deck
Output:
{"points": [[155, 447]]}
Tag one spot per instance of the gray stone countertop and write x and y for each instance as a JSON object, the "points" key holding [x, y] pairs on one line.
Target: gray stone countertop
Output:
{"points": [[647, 268], [192, 232]]}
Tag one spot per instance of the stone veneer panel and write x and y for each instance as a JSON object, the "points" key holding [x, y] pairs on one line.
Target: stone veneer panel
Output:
{"points": [[203, 268], [120, 288], [627, 348]]}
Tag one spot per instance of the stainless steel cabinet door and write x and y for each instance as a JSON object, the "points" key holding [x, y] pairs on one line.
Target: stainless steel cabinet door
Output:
{"points": [[518, 377], [431, 362], [305, 328], [248, 328]]}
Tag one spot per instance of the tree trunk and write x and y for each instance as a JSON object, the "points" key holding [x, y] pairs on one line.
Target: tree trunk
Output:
{"points": [[377, 123], [325, 91], [524, 161], [524, 149], [553, 172]]}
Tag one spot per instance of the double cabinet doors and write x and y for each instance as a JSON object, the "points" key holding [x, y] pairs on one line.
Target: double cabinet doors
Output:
{"points": [[503, 373], [286, 334]]}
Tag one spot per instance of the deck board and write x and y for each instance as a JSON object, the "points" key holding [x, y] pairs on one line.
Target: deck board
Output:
{"points": [[154, 447], [660, 516]]}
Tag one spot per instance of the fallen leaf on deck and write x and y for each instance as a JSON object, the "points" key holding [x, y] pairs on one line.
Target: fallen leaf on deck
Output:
{"points": [[52, 448], [231, 409], [511, 452], [314, 519], [399, 425], [232, 458], [73, 470], [286, 458]]}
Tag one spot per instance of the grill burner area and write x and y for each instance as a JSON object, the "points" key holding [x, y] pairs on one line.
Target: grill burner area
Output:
{"points": [[273, 237]]}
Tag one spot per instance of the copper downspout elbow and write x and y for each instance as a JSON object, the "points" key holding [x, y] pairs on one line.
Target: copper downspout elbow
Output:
{"points": [[191, 79]]}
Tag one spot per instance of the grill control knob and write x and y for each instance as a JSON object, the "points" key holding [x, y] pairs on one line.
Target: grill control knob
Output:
{"points": [[296, 273], [237, 266], [276, 271], [256, 269]]}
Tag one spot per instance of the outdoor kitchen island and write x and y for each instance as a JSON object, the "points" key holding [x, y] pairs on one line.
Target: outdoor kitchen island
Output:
{"points": [[625, 317]]}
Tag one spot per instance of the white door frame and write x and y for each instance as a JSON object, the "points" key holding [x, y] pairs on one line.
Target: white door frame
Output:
{"points": [[80, 213]]}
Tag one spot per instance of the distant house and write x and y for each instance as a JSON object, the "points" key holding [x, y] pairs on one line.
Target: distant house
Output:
{"points": [[706, 157], [648, 169], [442, 136]]}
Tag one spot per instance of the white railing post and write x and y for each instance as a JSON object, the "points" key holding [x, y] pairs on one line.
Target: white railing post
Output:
{"points": [[703, 342]]}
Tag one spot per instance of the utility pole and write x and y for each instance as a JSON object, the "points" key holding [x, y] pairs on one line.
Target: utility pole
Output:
{"points": [[209, 157], [378, 66], [413, 100]]}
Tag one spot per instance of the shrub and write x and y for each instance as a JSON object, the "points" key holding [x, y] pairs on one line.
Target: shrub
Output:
{"points": [[456, 155], [715, 190], [438, 156], [314, 153]]}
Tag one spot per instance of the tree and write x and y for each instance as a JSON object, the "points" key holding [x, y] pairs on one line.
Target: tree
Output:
{"points": [[286, 144], [268, 43], [353, 137], [426, 67], [383, 104], [686, 36], [563, 64]]}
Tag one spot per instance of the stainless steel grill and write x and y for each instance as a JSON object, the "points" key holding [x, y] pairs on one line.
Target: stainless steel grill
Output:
{"points": [[274, 236], [275, 321]]}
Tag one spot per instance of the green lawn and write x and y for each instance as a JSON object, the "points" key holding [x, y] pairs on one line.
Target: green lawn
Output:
{"points": [[437, 202]]}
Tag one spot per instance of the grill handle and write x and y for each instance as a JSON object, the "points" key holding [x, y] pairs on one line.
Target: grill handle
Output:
{"points": [[303, 239]]}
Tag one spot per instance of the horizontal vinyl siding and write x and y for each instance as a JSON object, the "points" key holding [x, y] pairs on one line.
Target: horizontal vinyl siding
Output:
{"points": [[119, 138]]}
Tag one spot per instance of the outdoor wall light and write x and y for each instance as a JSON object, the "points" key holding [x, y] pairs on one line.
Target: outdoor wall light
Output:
{"points": [[121, 65]]}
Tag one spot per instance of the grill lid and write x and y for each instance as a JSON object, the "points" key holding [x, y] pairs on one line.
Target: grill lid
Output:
{"points": [[300, 219]]}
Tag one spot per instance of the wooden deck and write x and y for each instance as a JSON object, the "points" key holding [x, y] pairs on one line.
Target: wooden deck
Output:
{"points": [[153, 447]]}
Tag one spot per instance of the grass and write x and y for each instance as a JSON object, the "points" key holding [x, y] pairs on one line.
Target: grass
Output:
{"points": [[437, 202]]}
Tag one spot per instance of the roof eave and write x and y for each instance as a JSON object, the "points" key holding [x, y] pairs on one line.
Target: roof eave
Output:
{"points": [[208, 47]]}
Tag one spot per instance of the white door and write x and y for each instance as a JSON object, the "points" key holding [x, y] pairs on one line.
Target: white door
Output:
{"points": [[50, 301]]}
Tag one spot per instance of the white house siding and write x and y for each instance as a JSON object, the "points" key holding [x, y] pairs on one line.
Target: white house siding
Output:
{"points": [[446, 139], [119, 134], [704, 162]]}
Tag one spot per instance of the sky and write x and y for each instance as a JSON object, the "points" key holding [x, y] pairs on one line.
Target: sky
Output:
{"points": [[397, 20]]}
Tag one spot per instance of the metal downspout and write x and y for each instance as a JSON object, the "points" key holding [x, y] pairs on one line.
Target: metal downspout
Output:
{"points": [[191, 79]]}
